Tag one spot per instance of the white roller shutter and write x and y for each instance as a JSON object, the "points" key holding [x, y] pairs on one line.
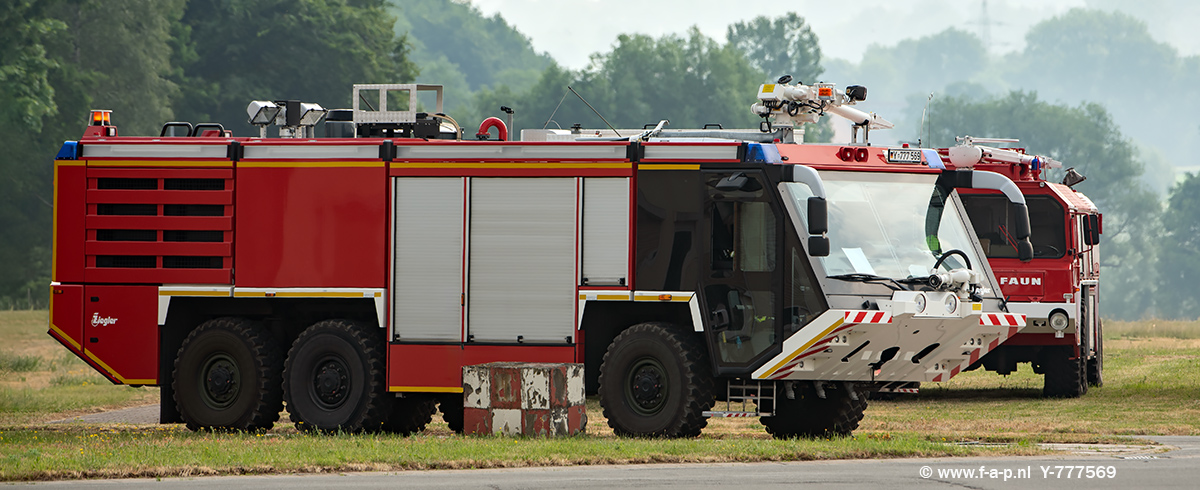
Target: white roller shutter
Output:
{"points": [[427, 279], [605, 231], [522, 259]]}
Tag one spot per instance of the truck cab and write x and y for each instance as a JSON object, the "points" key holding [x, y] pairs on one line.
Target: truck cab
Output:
{"points": [[1058, 289]]}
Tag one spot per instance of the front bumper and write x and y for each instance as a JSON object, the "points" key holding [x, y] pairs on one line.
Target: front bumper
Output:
{"points": [[899, 342]]}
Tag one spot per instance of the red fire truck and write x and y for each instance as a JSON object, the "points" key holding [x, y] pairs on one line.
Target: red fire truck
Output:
{"points": [[1059, 289], [353, 276]]}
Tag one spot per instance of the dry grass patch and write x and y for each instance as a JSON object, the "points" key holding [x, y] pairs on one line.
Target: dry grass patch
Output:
{"points": [[41, 381]]}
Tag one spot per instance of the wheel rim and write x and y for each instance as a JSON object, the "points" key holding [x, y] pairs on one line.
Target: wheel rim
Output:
{"points": [[330, 382], [647, 387], [221, 381]]}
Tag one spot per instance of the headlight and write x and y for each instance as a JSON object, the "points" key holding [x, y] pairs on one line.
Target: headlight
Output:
{"points": [[920, 301], [1059, 320], [951, 303]]}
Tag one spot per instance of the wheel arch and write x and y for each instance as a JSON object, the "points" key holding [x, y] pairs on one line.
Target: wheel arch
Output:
{"points": [[602, 321]]}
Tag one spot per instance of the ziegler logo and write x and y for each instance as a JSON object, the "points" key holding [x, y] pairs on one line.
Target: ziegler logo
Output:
{"points": [[98, 320], [1020, 281]]}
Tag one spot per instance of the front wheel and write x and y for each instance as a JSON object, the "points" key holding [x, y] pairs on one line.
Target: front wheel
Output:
{"points": [[1095, 367], [808, 415], [1065, 377], [335, 380], [227, 377], [655, 381]]}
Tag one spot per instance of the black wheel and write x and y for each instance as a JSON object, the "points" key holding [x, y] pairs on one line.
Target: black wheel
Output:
{"points": [[808, 415], [335, 378], [655, 382], [1095, 367], [410, 414], [1065, 377], [451, 407], [227, 377]]}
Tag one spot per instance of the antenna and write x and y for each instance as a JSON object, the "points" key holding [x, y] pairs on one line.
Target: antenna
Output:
{"points": [[610, 126], [551, 118]]}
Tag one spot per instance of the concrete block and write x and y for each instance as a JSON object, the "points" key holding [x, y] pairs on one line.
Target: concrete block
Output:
{"points": [[530, 399]]}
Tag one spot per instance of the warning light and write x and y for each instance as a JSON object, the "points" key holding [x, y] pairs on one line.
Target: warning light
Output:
{"points": [[825, 92], [101, 118], [664, 297]]}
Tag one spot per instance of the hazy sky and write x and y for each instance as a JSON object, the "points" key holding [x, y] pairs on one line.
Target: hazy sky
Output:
{"points": [[570, 30]]}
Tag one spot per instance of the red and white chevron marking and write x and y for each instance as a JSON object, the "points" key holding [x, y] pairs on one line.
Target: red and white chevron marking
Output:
{"points": [[1002, 320], [868, 316], [978, 353], [819, 346]]}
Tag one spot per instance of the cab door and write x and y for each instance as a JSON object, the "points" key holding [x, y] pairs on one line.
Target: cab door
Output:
{"points": [[739, 285]]}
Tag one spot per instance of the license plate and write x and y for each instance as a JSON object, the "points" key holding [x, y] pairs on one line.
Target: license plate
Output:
{"points": [[903, 155]]}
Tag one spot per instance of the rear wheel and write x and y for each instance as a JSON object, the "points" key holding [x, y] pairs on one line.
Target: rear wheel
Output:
{"points": [[1065, 377], [410, 414], [655, 382], [335, 379], [808, 415], [227, 377]]}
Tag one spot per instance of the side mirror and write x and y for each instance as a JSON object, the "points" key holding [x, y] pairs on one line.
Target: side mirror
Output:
{"points": [[1024, 250], [1021, 222], [1091, 229], [818, 216], [818, 246]]}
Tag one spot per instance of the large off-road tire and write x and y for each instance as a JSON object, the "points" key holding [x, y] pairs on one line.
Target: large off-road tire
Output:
{"points": [[655, 381], [808, 415], [334, 378], [451, 407], [227, 377], [1065, 377], [410, 414]]}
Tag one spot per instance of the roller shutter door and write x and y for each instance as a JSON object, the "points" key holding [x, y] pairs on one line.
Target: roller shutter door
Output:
{"points": [[428, 253], [605, 231], [522, 260]]}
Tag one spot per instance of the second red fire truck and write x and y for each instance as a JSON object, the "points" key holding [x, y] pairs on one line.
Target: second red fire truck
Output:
{"points": [[1058, 290]]}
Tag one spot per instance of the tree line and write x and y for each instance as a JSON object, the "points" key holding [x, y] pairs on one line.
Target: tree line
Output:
{"points": [[153, 61]]}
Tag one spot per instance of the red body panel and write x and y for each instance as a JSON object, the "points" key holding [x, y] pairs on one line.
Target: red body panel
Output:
{"points": [[66, 310], [120, 332], [438, 368], [69, 210], [312, 226]]}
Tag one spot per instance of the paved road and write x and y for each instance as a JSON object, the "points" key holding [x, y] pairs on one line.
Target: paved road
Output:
{"points": [[1179, 468], [146, 414]]}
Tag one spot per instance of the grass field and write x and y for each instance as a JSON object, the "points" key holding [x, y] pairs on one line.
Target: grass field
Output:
{"points": [[1152, 386]]}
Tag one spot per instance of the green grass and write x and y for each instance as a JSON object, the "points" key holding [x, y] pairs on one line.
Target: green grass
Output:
{"points": [[19, 364], [1174, 329], [78, 452], [1151, 388]]}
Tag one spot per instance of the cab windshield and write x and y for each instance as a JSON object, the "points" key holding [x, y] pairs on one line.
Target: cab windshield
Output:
{"points": [[887, 224]]}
